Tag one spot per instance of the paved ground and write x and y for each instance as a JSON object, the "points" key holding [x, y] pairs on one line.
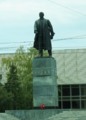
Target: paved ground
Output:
{"points": [[4, 116]]}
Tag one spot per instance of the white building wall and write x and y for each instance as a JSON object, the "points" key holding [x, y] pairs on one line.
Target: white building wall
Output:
{"points": [[71, 66]]}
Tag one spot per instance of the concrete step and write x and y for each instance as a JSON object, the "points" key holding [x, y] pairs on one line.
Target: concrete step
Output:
{"points": [[47, 114], [69, 115], [4, 116]]}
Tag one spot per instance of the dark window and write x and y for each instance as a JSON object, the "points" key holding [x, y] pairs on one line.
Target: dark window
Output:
{"points": [[76, 104], [75, 91], [66, 90], [59, 99], [59, 104], [66, 104], [83, 91], [83, 104]]}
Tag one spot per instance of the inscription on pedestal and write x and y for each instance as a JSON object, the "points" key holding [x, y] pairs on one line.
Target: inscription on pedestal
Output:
{"points": [[44, 72]]}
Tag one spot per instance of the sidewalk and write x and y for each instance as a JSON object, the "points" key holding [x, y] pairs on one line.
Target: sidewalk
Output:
{"points": [[5, 116]]}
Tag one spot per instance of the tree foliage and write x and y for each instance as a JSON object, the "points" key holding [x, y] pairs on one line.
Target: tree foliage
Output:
{"points": [[6, 99], [13, 86]]}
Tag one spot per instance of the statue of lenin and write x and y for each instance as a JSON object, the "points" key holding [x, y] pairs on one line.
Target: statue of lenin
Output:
{"points": [[42, 30]]}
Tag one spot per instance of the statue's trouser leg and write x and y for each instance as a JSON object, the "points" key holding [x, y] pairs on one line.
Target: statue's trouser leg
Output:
{"points": [[50, 52], [40, 45]]}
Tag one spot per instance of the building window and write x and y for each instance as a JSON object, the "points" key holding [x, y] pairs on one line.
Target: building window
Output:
{"points": [[59, 104], [66, 104], [59, 92], [72, 97], [66, 90], [83, 104], [76, 104], [83, 90], [75, 90]]}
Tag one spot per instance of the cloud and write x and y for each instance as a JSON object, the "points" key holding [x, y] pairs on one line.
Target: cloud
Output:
{"points": [[32, 7]]}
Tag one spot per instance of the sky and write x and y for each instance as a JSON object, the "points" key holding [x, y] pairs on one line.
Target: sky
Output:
{"points": [[17, 18]]}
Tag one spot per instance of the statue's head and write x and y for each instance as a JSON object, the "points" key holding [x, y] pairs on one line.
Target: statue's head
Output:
{"points": [[41, 14]]}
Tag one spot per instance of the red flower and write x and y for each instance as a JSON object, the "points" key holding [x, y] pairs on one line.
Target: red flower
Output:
{"points": [[42, 106]]}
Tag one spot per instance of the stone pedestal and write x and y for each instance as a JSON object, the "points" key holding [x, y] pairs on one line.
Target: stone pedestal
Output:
{"points": [[45, 89]]}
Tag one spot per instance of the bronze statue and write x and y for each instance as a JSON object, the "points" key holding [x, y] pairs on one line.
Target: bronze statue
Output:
{"points": [[42, 30]]}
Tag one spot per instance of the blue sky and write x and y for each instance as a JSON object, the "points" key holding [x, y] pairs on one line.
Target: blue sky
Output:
{"points": [[17, 19]]}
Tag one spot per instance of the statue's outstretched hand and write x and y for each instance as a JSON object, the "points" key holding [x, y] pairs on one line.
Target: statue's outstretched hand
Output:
{"points": [[51, 37]]}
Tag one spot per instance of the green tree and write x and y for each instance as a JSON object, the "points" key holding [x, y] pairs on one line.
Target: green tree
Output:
{"points": [[13, 85], [6, 99]]}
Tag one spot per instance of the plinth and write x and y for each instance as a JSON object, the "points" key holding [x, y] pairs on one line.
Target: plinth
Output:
{"points": [[45, 89]]}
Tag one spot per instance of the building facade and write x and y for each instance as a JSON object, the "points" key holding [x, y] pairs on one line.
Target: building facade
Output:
{"points": [[71, 71]]}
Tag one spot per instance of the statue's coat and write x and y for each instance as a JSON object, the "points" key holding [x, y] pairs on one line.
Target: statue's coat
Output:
{"points": [[43, 37]]}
